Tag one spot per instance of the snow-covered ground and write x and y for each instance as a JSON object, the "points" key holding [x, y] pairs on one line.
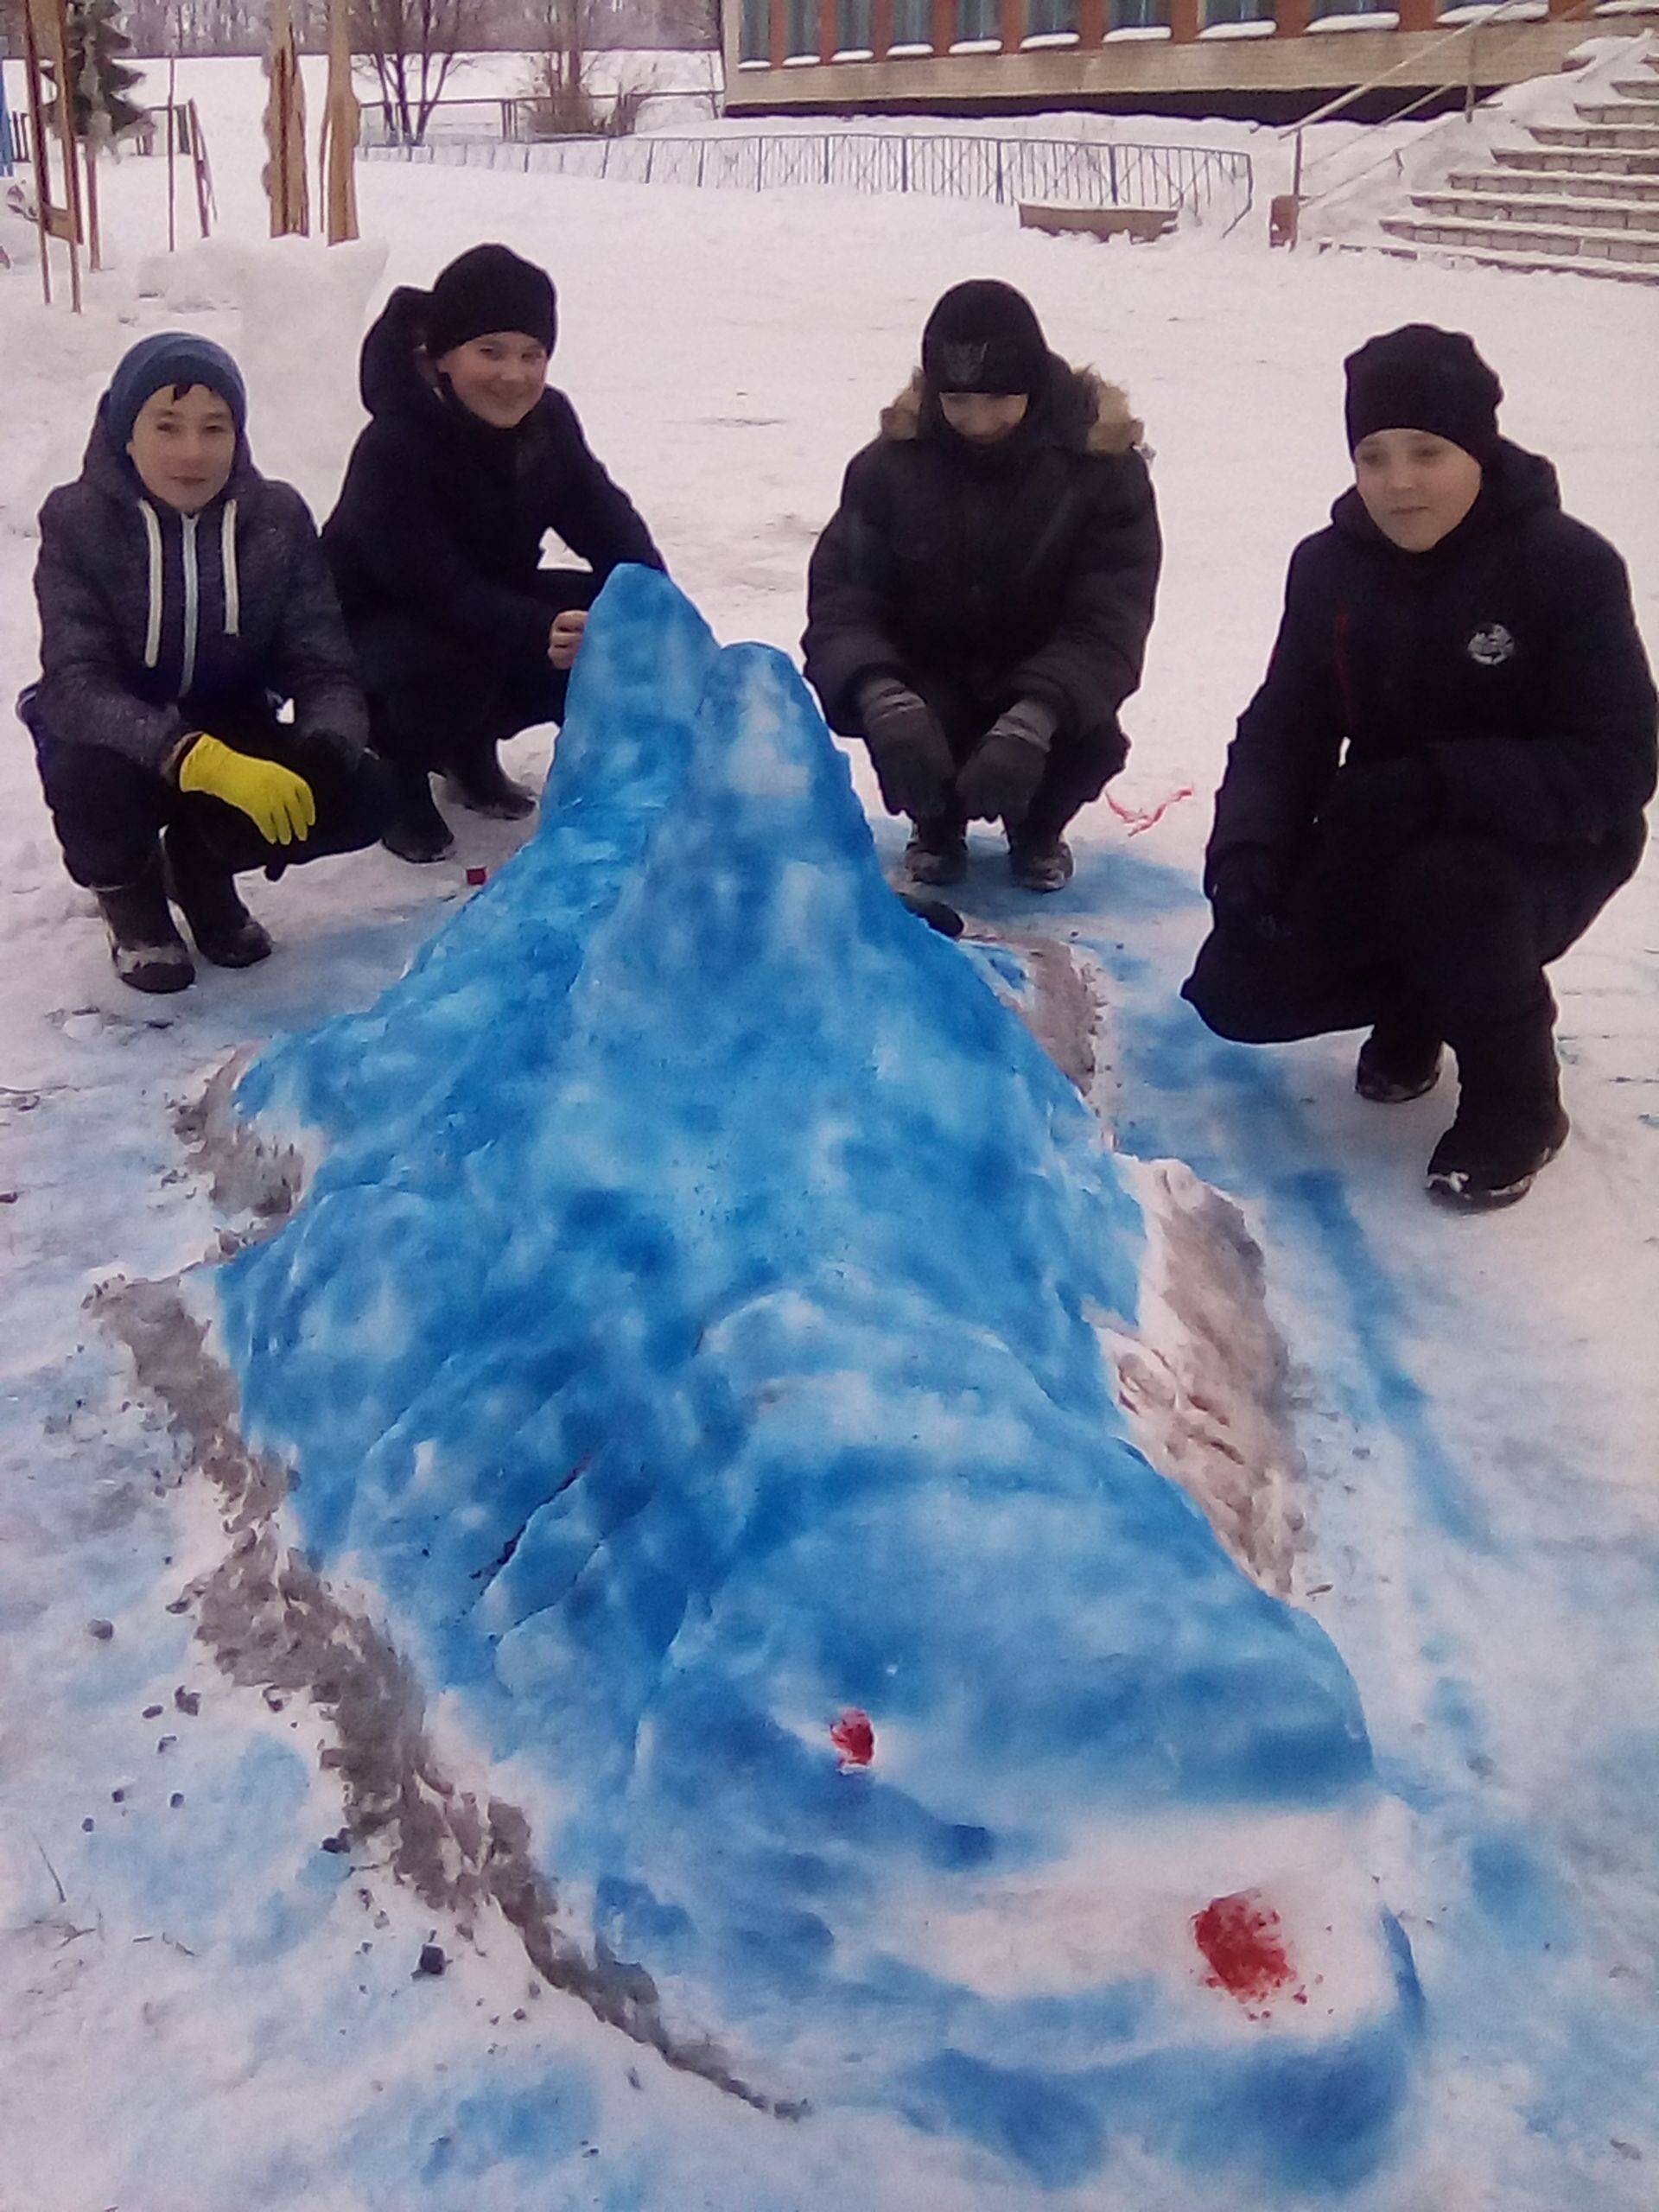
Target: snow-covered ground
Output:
{"points": [[201, 2006]]}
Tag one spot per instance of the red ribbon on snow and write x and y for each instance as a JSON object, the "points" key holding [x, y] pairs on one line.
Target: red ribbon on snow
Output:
{"points": [[1139, 820]]}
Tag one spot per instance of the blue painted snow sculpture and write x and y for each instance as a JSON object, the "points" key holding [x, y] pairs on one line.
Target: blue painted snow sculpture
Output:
{"points": [[689, 1330]]}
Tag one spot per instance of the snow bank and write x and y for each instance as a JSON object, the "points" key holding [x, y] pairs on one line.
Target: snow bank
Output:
{"points": [[690, 1333]]}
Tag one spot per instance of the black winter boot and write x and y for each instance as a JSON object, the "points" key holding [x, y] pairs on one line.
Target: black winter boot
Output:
{"points": [[937, 851], [1039, 863], [1400, 1059], [148, 953], [415, 830], [477, 781], [1509, 1120], [204, 891]]}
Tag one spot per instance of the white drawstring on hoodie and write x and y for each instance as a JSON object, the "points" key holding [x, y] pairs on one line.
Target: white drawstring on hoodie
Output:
{"points": [[231, 578]]}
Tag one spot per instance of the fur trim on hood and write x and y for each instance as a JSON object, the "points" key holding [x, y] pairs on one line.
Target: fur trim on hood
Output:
{"points": [[1104, 407]]}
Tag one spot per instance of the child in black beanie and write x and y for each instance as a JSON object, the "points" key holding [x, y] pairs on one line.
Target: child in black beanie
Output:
{"points": [[1441, 780], [977, 608], [462, 637]]}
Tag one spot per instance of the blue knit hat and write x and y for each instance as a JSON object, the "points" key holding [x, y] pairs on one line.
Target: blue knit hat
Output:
{"points": [[171, 359]]}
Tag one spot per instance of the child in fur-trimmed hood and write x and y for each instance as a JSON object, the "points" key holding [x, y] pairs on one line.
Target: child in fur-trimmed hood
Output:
{"points": [[978, 605]]}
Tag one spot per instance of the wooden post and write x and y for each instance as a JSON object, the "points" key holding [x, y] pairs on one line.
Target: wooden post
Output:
{"points": [[1289, 18], [881, 27], [1183, 22], [172, 156], [199, 164], [943, 26], [778, 32], [829, 38], [1563, 7], [1417, 15], [1011, 25], [46, 43], [337, 151], [1092, 22]]}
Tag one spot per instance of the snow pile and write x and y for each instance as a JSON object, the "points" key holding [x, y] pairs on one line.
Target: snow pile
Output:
{"points": [[689, 1338]]}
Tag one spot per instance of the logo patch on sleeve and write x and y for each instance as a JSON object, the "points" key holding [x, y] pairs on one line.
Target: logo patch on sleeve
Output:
{"points": [[1490, 645]]}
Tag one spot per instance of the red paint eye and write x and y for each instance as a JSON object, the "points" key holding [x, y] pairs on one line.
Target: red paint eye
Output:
{"points": [[1240, 1937], [854, 1737]]}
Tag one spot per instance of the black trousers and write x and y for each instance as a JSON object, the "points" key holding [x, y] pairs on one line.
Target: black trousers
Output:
{"points": [[436, 701], [1455, 935], [109, 811]]}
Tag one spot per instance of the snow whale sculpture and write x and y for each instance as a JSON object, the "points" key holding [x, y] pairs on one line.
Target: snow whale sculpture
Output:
{"points": [[690, 1334]]}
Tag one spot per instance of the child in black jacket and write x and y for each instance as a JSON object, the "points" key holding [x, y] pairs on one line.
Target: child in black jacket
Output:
{"points": [[462, 637], [977, 608], [1441, 781], [184, 600]]}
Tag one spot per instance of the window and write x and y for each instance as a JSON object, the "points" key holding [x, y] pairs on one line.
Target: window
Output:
{"points": [[913, 23], [1139, 14], [755, 36], [1044, 17], [855, 29], [801, 26], [978, 19]]}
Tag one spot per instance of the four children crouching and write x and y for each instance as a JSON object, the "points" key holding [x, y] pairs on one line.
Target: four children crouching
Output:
{"points": [[1438, 784]]}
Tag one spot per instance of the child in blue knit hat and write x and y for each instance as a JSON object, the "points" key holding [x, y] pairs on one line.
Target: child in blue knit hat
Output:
{"points": [[184, 600]]}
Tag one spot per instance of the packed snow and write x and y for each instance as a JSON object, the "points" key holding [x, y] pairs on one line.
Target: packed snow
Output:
{"points": [[205, 1945]]}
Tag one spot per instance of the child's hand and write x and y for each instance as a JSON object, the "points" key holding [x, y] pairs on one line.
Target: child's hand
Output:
{"points": [[564, 639], [278, 803]]}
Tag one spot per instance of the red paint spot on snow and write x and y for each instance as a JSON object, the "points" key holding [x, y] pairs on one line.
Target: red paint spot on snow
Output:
{"points": [[853, 1737], [1240, 1937]]}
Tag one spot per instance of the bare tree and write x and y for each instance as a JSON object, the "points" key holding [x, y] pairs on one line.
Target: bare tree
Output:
{"points": [[413, 45]]}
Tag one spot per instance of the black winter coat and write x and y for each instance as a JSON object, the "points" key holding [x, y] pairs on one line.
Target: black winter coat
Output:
{"points": [[154, 624], [1508, 655], [440, 518], [1029, 570]]}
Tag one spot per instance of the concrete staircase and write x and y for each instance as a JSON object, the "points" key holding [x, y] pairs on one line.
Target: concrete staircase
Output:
{"points": [[1582, 197]]}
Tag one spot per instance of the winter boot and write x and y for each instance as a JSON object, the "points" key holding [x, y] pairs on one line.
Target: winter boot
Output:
{"points": [[1040, 863], [1400, 1059], [937, 851], [204, 891], [1509, 1120], [148, 953], [415, 830], [477, 781]]}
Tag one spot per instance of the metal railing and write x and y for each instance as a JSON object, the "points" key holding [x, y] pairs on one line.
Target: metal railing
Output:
{"points": [[1197, 180]]}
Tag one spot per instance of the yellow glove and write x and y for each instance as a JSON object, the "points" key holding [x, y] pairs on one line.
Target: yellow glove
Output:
{"points": [[278, 803]]}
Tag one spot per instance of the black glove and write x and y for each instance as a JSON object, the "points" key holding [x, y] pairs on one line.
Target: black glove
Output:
{"points": [[1004, 769], [1375, 809], [908, 751], [1247, 895]]}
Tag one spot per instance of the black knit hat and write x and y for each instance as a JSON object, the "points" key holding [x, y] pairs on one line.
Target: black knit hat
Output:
{"points": [[1422, 378], [984, 336], [491, 288]]}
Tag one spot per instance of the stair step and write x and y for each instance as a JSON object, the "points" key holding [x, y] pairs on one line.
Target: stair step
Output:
{"points": [[1624, 137], [1529, 265], [1576, 161], [1603, 112], [1637, 88], [1498, 206], [1585, 184], [1550, 239]]}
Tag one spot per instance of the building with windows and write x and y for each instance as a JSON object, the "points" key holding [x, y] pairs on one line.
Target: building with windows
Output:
{"points": [[1269, 59]]}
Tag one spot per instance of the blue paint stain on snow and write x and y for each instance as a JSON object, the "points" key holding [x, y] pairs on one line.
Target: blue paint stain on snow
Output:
{"points": [[691, 1331]]}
